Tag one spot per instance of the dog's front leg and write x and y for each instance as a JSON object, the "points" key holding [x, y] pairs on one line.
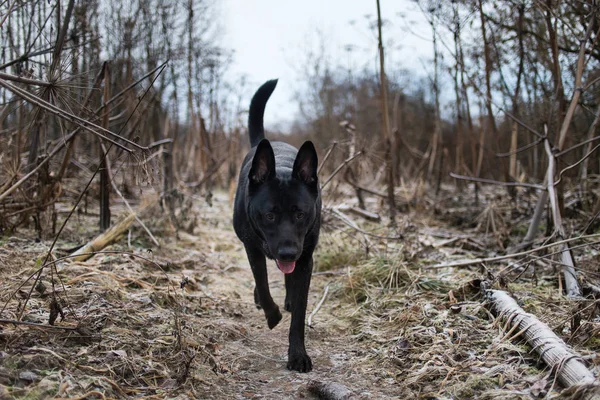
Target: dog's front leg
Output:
{"points": [[261, 293], [297, 287]]}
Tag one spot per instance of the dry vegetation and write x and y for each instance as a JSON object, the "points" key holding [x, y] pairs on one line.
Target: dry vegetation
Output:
{"points": [[430, 219]]}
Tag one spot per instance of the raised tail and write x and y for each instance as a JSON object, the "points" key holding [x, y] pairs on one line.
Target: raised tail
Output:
{"points": [[257, 110]]}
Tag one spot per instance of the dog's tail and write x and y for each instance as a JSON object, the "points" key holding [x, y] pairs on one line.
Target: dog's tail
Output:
{"points": [[257, 110]]}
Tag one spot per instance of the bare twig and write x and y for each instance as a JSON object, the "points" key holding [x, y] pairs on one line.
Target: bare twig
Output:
{"points": [[578, 145], [333, 145], [27, 81], [585, 157], [578, 85], [10, 9], [318, 306], [470, 178], [521, 149], [338, 169], [116, 189]]}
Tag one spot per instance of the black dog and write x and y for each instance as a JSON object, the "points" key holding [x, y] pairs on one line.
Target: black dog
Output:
{"points": [[277, 214]]}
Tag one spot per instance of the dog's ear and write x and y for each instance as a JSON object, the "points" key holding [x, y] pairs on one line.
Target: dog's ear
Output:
{"points": [[263, 163], [306, 164]]}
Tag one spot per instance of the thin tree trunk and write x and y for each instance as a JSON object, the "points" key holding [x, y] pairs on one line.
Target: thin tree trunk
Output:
{"points": [[533, 227], [437, 145], [491, 125], [386, 122], [458, 163], [515, 106], [104, 173]]}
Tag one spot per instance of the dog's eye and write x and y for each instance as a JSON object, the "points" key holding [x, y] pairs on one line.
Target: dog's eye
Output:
{"points": [[270, 216], [299, 215]]}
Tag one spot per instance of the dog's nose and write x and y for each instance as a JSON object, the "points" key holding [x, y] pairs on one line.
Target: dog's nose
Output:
{"points": [[287, 253]]}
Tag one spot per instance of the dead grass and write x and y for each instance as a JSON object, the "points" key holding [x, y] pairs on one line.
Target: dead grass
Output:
{"points": [[180, 320]]}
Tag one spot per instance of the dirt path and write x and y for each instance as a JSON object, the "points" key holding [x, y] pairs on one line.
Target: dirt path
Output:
{"points": [[256, 361]]}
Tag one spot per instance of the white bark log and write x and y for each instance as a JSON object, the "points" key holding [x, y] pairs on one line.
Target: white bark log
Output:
{"points": [[552, 349]]}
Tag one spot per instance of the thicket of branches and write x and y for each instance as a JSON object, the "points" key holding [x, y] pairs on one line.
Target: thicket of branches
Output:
{"points": [[512, 69], [114, 90]]}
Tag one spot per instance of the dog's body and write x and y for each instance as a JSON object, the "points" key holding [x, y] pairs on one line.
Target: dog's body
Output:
{"points": [[277, 214]]}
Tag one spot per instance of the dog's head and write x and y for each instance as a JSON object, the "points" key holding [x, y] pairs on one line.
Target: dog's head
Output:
{"points": [[283, 207]]}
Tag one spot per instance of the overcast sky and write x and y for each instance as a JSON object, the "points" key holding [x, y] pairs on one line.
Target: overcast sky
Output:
{"points": [[269, 38]]}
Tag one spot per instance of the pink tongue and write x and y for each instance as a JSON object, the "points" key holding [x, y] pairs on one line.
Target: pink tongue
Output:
{"points": [[287, 267]]}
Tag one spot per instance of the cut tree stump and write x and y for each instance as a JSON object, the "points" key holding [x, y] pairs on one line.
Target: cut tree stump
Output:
{"points": [[552, 350], [110, 236]]}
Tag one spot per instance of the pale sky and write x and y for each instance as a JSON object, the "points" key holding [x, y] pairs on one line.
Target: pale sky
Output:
{"points": [[270, 36]]}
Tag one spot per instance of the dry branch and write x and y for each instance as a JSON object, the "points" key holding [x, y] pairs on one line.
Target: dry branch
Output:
{"points": [[110, 236], [552, 350], [494, 182], [513, 255], [333, 145], [318, 306], [342, 165], [568, 264]]}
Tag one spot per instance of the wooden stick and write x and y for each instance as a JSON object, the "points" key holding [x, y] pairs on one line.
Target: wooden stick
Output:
{"points": [[552, 350], [110, 236], [316, 310]]}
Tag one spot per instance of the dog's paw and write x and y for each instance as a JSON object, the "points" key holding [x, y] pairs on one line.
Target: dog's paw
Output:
{"points": [[273, 317], [256, 301], [299, 362]]}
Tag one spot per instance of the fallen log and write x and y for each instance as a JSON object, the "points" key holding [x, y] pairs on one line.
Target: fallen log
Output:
{"points": [[566, 364], [110, 236]]}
